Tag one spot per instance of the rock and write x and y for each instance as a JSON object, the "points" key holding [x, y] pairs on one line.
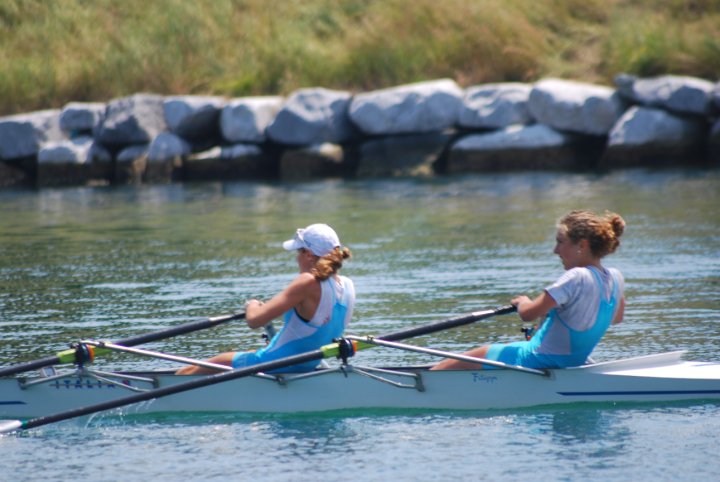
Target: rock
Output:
{"points": [[239, 161], [649, 136], [22, 135], [312, 162], [516, 147], [313, 116], [167, 147], [130, 164], [495, 106], [682, 95], [246, 119], [193, 117], [410, 155], [80, 150], [73, 162], [81, 118], [165, 154], [414, 108], [132, 120], [575, 107]]}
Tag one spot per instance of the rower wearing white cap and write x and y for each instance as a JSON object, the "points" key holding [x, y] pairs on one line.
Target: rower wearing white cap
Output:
{"points": [[316, 306]]}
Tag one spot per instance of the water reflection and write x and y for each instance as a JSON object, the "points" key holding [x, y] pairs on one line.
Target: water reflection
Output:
{"points": [[600, 427]]}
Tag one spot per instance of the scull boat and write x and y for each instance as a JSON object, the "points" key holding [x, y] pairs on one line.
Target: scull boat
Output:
{"points": [[655, 378]]}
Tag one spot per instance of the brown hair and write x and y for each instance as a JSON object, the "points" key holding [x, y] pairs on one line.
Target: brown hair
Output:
{"points": [[329, 264], [601, 232]]}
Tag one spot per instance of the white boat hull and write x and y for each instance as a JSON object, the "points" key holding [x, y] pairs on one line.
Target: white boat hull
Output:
{"points": [[655, 378]]}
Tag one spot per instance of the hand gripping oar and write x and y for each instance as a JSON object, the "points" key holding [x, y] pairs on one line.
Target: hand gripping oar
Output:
{"points": [[342, 348], [71, 355]]}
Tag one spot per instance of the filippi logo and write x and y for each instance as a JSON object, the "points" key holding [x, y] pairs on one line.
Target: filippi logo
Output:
{"points": [[480, 377]]}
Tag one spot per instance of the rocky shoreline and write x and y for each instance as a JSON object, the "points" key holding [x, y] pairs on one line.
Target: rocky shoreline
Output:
{"points": [[421, 129]]}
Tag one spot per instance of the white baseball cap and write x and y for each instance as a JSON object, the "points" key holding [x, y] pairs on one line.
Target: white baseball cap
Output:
{"points": [[318, 238]]}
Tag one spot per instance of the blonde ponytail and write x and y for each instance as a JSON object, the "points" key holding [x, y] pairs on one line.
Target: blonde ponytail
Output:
{"points": [[331, 263]]}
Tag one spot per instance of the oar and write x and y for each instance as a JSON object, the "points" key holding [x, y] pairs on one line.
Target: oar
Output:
{"points": [[69, 356], [332, 350], [447, 324]]}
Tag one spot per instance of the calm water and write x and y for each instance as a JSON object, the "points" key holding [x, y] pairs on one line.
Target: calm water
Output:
{"points": [[114, 262]]}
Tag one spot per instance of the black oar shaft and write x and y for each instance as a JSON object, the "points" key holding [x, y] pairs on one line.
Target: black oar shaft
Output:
{"points": [[447, 324], [132, 341], [179, 330]]}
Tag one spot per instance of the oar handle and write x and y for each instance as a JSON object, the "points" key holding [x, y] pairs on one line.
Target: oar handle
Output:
{"points": [[67, 356]]}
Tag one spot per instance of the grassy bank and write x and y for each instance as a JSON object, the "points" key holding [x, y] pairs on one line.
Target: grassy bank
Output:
{"points": [[58, 51]]}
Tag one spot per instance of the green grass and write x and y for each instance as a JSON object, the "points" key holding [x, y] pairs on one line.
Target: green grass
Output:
{"points": [[56, 51]]}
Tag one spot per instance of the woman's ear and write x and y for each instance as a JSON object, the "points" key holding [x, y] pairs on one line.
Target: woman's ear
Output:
{"points": [[584, 245]]}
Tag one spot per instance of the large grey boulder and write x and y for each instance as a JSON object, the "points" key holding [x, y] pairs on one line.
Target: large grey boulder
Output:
{"points": [[516, 147], [642, 126], [23, 135], [80, 150], [575, 106], [408, 155], [81, 117], [132, 120], [682, 95], [536, 136], [646, 135], [72, 162], [414, 108], [246, 119], [193, 117], [313, 116], [495, 106]]}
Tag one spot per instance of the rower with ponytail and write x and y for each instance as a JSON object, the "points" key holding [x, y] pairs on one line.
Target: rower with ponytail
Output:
{"points": [[577, 309], [316, 306]]}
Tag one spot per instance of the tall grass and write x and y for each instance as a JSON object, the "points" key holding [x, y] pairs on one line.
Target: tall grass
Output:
{"points": [[53, 52]]}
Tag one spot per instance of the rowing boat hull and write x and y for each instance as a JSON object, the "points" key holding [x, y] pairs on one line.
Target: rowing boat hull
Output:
{"points": [[655, 378]]}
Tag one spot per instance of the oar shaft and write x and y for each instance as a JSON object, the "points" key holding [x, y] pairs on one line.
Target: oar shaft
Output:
{"points": [[66, 356], [449, 323], [179, 330]]}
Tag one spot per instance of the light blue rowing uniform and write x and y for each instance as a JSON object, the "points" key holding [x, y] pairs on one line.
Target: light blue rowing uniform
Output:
{"points": [[337, 300], [587, 300]]}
